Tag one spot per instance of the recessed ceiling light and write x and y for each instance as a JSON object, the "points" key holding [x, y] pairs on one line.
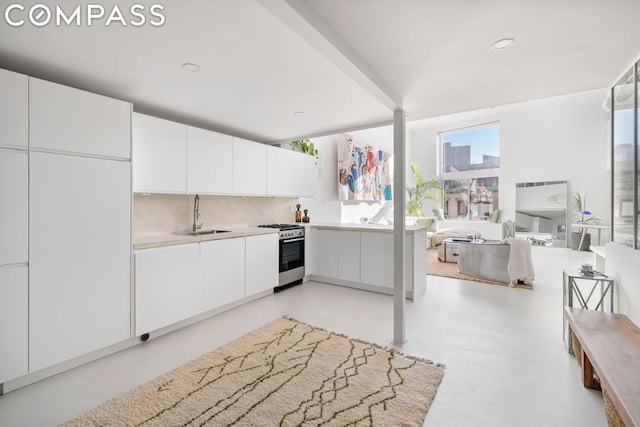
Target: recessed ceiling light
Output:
{"points": [[298, 113], [190, 66], [502, 44]]}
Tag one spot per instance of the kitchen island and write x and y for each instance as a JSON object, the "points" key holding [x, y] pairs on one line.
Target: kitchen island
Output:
{"points": [[361, 256]]}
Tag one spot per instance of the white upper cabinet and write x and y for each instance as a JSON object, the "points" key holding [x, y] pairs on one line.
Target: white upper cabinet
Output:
{"points": [[14, 207], [249, 168], [209, 165], [305, 174], [71, 120], [159, 155], [280, 171], [14, 109]]}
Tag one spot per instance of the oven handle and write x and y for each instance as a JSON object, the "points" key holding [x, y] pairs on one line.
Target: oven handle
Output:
{"points": [[301, 239]]}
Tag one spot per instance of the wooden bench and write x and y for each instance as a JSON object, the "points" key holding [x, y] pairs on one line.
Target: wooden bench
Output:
{"points": [[610, 356]]}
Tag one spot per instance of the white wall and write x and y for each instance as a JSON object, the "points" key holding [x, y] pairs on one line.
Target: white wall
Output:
{"points": [[326, 207], [553, 139], [623, 265]]}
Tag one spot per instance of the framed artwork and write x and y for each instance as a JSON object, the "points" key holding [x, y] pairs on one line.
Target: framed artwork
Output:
{"points": [[363, 172]]}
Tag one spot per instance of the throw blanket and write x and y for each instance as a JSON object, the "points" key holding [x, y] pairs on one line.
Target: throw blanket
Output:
{"points": [[520, 266]]}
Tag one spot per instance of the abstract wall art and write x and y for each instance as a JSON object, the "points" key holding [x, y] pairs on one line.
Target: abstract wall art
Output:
{"points": [[364, 173]]}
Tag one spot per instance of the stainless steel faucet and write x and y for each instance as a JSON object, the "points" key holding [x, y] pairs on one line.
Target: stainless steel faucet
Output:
{"points": [[196, 214]]}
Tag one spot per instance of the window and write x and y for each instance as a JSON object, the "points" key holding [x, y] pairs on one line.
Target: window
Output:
{"points": [[470, 162]]}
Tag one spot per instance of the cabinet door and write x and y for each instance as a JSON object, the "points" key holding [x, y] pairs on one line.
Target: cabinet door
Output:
{"points": [[14, 207], [14, 318], [80, 256], [71, 120], [159, 155], [372, 254], [305, 175], [409, 254], [349, 255], [249, 168], [328, 253], [166, 286], [222, 272], [14, 109], [209, 162], [310, 251], [280, 171], [261, 261]]}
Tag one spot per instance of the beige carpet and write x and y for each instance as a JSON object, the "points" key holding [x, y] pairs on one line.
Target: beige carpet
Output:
{"points": [[436, 267], [285, 373]]}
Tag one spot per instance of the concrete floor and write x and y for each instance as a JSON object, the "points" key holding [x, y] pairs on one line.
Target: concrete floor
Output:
{"points": [[506, 361]]}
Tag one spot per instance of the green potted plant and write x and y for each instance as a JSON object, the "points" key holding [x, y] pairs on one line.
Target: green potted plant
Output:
{"points": [[425, 189], [581, 240], [306, 146]]}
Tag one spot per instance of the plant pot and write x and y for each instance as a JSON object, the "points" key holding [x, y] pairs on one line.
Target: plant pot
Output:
{"points": [[575, 241]]}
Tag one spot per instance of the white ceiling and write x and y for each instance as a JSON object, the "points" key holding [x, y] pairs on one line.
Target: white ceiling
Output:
{"points": [[345, 63]]}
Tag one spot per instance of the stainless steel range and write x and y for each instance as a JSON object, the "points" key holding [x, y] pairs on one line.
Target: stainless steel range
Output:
{"points": [[291, 254]]}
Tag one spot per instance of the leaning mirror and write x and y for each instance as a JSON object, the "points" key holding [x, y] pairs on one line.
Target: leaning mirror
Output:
{"points": [[541, 212]]}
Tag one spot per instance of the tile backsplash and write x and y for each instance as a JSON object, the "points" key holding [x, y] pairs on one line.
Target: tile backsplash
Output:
{"points": [[166, 213]]}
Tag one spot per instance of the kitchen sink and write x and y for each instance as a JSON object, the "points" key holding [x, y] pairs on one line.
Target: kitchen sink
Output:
{"points": [[201, 232]]}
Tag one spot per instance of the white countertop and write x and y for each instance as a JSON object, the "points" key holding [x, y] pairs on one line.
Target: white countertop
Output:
{"points": [[367, 227], [158, 240]]}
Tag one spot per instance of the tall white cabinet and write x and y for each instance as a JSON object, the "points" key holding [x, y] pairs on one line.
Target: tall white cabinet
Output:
{"points": [[79, 223], [79, 287], [14, 326], [14, 206], [14, 110], [14, 285], [74, 121], [14, 228]]}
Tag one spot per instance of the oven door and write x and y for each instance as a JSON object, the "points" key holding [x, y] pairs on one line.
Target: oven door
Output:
{"points": [[291, 254]]}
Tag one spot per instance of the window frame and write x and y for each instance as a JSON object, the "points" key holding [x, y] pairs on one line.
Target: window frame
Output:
{"points": [[493, 172]]}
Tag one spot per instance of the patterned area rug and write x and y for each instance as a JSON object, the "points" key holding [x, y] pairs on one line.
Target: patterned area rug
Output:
{"points": [[285, 373], [436, 267]]}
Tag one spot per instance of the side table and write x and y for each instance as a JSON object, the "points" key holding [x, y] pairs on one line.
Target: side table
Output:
{"points": [[594, 291]]}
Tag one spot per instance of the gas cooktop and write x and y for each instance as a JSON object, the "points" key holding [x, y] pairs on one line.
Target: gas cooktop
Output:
{"points": [[281, 226]]}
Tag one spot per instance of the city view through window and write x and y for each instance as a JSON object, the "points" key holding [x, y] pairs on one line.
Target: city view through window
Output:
{"points": [[470, 160]]}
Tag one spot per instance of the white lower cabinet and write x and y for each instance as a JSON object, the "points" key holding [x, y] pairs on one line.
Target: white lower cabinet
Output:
{"points": [[222, 266], [310, 251], [328, 253], [373, 254], [14, 322], [349, 256], [167, 286], [364, 259], [261, 263]]}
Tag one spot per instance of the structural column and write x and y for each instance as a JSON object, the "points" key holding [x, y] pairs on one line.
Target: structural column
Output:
{"points": [[399, 196]]}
